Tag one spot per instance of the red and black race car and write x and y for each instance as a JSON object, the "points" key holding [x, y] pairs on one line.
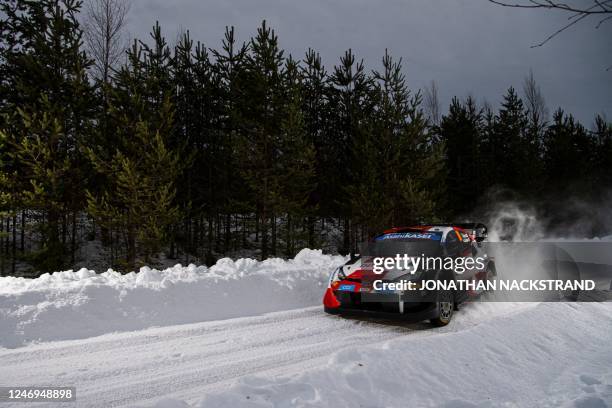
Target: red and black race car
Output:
{"points": [[364, 286]]}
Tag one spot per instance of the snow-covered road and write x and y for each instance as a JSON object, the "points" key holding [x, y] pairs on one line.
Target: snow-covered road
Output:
{"points": [[199, 337], [188, 361], [120, 369]]}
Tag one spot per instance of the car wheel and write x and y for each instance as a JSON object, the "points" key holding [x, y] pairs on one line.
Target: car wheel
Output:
{"points": [[446, 307]]}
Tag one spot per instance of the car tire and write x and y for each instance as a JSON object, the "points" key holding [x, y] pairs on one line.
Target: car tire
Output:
{"points": [[446, 307]]}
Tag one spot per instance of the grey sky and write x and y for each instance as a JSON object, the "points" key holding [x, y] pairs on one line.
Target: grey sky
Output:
{"points": [[467, 46]]}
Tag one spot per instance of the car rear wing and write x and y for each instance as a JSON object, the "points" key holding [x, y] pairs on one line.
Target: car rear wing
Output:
{"points": [[477, 229]]}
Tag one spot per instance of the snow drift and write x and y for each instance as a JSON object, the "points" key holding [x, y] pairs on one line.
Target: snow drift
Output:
{"points": [[75, 305]]}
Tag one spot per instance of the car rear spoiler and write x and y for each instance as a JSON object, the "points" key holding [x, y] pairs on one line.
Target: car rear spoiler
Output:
{"points": [[478, 229]]}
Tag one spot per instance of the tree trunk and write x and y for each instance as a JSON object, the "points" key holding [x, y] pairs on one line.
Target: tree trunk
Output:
{"points": [[210, 235], [131, 248], [2, 257], [273, 252], [257, 214], [226, 240], [244, 230], [73, 239], [111, 243], [6, 242], [22, 238], [311, 230], [172, 248], [218, 232], [55, 248], [346, 244], [14, 252], [264, 234], [196, 237], [288, 250], [188, 239], [64, 229]]}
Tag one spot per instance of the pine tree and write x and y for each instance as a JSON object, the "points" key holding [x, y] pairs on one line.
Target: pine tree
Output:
{"points": [[296, 158], [7, 196], [48, 172], [261, 114], [6, 178], [603, 155], [489, 149], [188, 129], [140, 171], [45, 80], [353, 104], [411, 156], [511, 153], [316, 115], [461, 130], [569, 153], [227, 189], [139, 202]]}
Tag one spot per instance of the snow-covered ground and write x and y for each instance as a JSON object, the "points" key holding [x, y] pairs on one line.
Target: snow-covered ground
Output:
{"points": [[494, 355], [253, 334], [74, 305]]}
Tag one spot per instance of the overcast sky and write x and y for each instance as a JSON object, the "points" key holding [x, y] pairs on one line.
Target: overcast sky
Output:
{"points": [[466, 46]]}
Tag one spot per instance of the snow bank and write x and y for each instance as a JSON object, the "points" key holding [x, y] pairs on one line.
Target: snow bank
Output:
{"points": [[547, 355], [74, 305]]}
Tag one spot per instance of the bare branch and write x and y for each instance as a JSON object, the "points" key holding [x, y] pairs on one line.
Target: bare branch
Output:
{"points": [[535, 103], [559, 31], [603, 6], [431, 103], [106, 20], [602, 20], [596, 7]]}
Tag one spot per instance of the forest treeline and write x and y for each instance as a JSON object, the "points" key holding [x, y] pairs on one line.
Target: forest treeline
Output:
{"points": [[197, 152]]}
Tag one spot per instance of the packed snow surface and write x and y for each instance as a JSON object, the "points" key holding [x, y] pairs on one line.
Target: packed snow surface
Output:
{"points": [[520, 355], [491, 355], [75, 305], [229, 340]]}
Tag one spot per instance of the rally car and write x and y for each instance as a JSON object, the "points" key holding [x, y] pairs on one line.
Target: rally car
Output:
{"points": [[355, 287]]}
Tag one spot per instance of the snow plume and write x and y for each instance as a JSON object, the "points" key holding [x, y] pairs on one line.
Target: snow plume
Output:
{"points": [[514, 219], [574, 217], [528, 243], [515, 222], [75, 305]]}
